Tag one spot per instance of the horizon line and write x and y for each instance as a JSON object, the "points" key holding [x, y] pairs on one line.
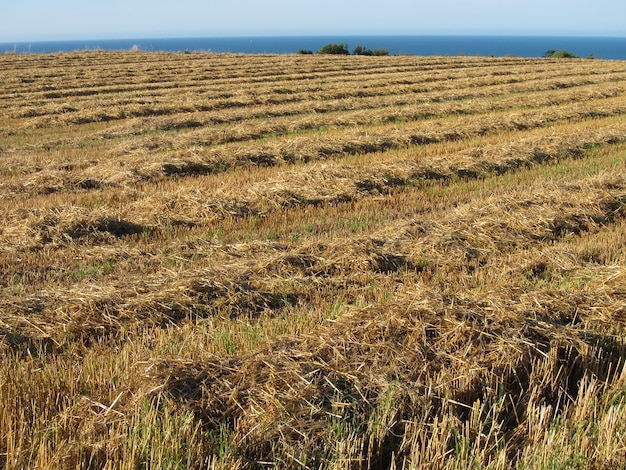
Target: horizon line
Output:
{"points": [[313, 35]]}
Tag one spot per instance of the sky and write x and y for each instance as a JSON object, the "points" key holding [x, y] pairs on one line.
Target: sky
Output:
{"points": [[37, 20]]}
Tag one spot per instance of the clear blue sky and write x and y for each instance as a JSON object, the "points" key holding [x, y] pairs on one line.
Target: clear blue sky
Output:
{"points": [[32, 20]]}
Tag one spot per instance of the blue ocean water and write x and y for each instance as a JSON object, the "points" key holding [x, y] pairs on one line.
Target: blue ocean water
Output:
{"points": [[521, 46]]}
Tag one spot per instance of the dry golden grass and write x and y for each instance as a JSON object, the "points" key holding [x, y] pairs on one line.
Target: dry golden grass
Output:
{"points": [[230, 261]]}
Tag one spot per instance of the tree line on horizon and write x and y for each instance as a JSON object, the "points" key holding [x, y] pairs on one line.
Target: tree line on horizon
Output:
{"points": [[342, 49]]}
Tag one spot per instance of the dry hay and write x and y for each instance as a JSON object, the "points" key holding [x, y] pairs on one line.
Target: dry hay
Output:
{"points": [[465, 245], [75, 224], [388, 369], [276, 259], [427, 358]]}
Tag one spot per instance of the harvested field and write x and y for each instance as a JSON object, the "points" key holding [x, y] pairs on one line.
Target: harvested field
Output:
{"points": [[235, 261]]}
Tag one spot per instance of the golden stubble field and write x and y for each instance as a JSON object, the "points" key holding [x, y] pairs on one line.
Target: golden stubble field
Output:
{"points": [[232, 261]]}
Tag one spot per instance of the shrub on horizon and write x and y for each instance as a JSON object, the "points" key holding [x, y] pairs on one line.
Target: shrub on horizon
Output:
{"points": [[560, 54], [336, 49], [360, 50]]}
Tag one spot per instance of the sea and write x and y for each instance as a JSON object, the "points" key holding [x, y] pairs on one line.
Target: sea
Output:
{"points": [[499, 46]]}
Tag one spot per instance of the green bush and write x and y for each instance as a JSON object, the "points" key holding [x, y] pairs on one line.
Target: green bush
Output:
{"points": [[342, 49], [304, 51], [360, 50], [560, 54], [337, 49]]}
